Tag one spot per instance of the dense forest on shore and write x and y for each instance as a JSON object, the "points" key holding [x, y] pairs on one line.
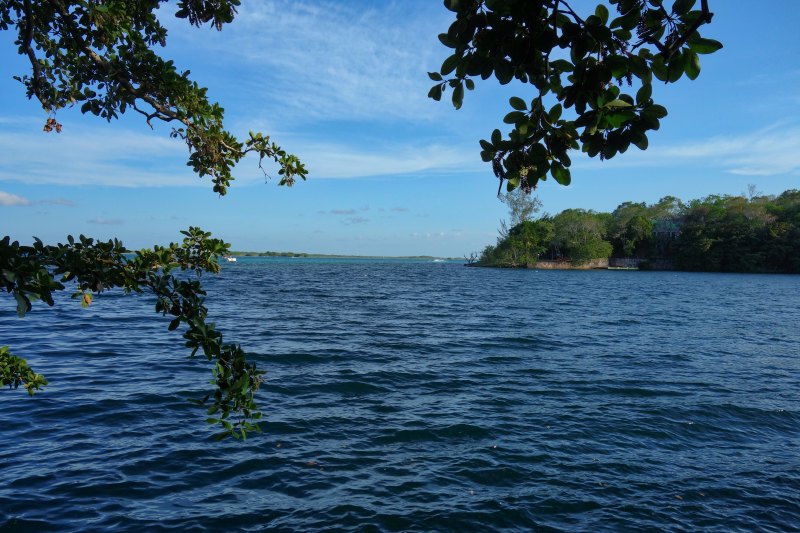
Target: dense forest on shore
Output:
{"points": [[752, 233]]}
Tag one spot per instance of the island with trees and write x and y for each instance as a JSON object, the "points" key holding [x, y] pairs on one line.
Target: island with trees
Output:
{"points": [[747, 233]]}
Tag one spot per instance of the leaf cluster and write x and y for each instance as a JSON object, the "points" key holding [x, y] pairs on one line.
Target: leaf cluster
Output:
{"points": [[100, 55], [598, 68], [14, 371], [33, 273]]}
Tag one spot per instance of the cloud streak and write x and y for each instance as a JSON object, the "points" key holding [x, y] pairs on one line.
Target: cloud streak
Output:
{"points": [[94, 156], [349, 221], [106, 221], [335, 161], [770, 151], [9, 200], [64, 202], [123, 158], [334, 60]]}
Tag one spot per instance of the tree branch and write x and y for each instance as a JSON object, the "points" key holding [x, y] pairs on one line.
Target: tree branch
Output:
{"points": [[704, 18], [168, 114], [37, 68]]}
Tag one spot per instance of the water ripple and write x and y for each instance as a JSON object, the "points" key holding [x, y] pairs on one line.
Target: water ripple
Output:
{"points": [[413, 396]]}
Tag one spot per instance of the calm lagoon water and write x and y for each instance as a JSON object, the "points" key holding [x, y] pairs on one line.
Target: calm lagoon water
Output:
{"points": [[419, 396]]}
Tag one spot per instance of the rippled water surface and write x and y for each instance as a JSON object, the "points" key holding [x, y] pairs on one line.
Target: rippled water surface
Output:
{"points": [[417, 396]]}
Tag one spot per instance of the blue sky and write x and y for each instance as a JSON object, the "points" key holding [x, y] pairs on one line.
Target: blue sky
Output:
{"points": [[343, 85]]}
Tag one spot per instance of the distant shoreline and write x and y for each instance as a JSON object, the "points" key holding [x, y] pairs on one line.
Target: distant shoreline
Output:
{"points": [[338, 256]]}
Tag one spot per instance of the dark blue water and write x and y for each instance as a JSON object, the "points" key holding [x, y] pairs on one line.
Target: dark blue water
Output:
{"points": [[419, 396]]}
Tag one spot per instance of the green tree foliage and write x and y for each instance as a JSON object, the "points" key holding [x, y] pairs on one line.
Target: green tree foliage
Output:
{"points": [[631, 230], [580, 235], [101, 56], [716, 233], [521, 245], [533, 237], [31, 273], [736, 234], [591, 72], [14, 372], [521, 206]]}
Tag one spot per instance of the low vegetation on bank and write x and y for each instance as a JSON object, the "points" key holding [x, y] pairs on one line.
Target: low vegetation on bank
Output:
{"points": [[752, 233]]}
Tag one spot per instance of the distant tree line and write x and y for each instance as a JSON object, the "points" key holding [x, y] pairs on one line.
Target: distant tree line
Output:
{"points": [[271, 254], [752, 233]]}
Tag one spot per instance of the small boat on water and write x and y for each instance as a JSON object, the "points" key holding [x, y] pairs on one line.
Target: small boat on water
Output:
{"points": [[229, 258]]}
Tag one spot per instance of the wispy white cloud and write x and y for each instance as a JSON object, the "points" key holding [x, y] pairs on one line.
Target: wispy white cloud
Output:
{"points": [[349, 221], [8, 119], [106, 221], [334, 60], [8, 200], [64, 202], [770, 151], [94, 156], [123, 158], [436, 235], [343, 161]]}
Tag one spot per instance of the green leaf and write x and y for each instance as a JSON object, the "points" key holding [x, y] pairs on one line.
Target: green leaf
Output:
{"points": [[675, 69], [514, 117], [681, 7], [458, 96], [497, 137], [644, 93], [435, 92], [628, 22], [624, 35], [656, 111], [504, 72], [638, 67], [517, 103], [617, 64], [435, 76], [449, 64], [23, 304], [538, 153], [601, 12], [446, 40], [691, 64], [560, 174], [699, 45], [617, 104], [512, 182], [659, 68], [554, 113], [562, 65]]}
